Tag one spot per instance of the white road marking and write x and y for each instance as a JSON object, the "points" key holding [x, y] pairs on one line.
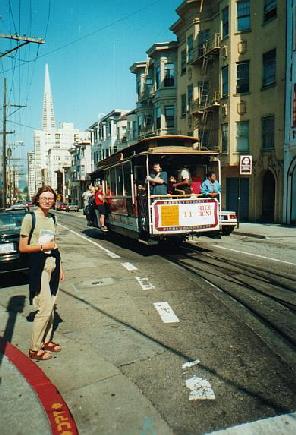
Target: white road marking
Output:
{"points": [[166, 312], [107, 251], [144, 283], [190, 364], [200, 389], [255, 255], [281, 425], [129, 266]]}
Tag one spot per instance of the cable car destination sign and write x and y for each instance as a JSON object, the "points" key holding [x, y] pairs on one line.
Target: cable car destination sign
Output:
{"points": [[172, 216], [245, 165]]}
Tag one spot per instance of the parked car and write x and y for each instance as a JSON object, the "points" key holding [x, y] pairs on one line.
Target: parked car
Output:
{"points": [[10, 225], [72, 207], [20, 205], [61, 206], [228, 220]]}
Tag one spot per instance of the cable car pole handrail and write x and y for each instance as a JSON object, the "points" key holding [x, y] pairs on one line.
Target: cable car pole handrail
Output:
{"points": [[149, 196]]}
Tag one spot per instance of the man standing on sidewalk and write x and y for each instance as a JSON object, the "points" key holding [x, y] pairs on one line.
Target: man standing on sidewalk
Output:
{"points": [[100, 208]]}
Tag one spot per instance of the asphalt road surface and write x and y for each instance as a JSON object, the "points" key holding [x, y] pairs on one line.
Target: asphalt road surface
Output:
{"points": [[226, 306]]}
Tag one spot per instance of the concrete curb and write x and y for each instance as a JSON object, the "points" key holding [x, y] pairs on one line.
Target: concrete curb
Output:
{"points": [[256, 236], [56, 409]]}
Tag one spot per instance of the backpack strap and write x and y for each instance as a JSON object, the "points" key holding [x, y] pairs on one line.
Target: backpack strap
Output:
{"points": [[32, 213], [54, 218]]}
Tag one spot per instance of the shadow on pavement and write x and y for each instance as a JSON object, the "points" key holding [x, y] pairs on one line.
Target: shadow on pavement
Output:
{"points": [[15, 305], [15, 278], [127, 243]]}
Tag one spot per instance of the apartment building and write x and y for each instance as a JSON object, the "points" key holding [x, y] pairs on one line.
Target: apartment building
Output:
{"points": [[289, 203], [230, 94], [77, 175], [111, 134], [156, 90], [131, 127], [31, 174]]}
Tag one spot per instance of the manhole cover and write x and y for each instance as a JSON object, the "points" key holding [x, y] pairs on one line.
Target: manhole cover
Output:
{"points": [[99, 282]]}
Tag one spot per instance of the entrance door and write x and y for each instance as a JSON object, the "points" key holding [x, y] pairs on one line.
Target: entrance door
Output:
{"points": [[268, 197], [232, 196]]}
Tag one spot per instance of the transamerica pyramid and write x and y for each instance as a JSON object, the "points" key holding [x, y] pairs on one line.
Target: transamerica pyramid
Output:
{"points": [[48, 119]]}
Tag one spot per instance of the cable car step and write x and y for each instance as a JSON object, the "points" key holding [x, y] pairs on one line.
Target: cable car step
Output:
{"points": [[148, 242]]}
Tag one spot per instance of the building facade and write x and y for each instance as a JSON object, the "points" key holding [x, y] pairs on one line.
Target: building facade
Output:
{"points": [[31, 174], [52, 145], [289, 203], [109, 135], [156, 90], [230, 94], [131, 127], [51, 149], [76, 177]]}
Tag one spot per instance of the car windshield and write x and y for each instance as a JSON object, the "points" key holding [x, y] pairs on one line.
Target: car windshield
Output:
{"points": [[10, 221]]}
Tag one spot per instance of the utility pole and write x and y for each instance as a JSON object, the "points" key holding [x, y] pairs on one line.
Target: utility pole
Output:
{"points": [[24, 41], [4, 198], [4, 153]]}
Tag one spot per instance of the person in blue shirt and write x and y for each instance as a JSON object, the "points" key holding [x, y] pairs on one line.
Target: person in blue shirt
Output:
{"points": [[211, 187], [158, 180]]}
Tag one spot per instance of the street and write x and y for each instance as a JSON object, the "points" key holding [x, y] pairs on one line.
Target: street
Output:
{"points": [[230, 312]]}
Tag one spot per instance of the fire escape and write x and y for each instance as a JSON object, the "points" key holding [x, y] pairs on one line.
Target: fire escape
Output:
{"points": [[208, 101], [146, 104]]}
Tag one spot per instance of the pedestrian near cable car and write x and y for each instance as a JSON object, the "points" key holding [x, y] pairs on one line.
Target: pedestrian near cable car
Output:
{"points": [[100, 209], [38, 239]]}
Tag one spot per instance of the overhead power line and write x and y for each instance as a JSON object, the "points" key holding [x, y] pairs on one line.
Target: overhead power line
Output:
{"points": [[88, 35], [26, 40]]}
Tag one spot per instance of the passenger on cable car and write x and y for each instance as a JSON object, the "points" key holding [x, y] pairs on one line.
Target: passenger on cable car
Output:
{"points": [[100, 208], [172, 182], [211, 187], [183, 187], [196, 185], [158, 180]]}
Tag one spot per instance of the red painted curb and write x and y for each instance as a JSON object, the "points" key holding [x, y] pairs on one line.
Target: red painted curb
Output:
{"points": [[58, 413]]}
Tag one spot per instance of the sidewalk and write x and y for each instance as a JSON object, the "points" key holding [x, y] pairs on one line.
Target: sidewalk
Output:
{"points": [[17, 395], [29, 402], [267, 231], [100, 397]]}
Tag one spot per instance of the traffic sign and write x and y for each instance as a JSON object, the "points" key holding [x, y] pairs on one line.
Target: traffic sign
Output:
{"points": [[245, 165]]}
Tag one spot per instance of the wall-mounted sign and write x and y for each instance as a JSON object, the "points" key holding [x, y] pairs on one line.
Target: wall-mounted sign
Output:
{"points": [[245, 165]]}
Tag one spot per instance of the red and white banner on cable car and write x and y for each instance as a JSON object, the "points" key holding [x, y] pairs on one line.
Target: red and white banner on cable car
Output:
{"points": [[172, 216]]}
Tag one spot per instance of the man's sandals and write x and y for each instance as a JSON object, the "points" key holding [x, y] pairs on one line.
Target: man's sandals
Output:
{"points": [[46, 352]]}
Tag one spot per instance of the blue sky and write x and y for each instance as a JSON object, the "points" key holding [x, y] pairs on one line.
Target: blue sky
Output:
{"points": [[89, 76]]}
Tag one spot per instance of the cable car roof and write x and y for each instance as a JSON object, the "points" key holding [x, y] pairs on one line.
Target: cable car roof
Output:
{"points": [[156, 145]]}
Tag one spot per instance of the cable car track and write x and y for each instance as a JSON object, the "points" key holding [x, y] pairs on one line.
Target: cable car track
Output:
{"points": [[242, 269], [272, 315], [255, 290]]}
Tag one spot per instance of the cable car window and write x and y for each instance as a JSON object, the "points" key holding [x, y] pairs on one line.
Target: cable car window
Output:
{"points": [[113, 181], [127, 179], [119, 178], [107, 183]]}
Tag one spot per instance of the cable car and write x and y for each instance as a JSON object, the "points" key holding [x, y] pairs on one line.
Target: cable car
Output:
{"points": [[133, 208]]}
